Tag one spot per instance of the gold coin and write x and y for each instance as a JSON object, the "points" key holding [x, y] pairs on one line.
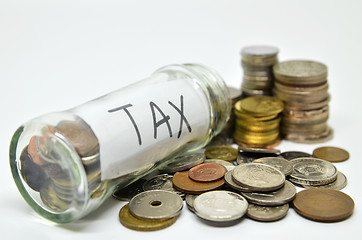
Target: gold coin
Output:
{"points": [[143, 224], [222, 152], [241, 114], [260, 105], [331, 154]]}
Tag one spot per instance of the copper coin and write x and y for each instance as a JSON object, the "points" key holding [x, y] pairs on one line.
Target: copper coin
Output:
{"points": [[207, 172], [325, 205], [183, 183], [331, 154]]}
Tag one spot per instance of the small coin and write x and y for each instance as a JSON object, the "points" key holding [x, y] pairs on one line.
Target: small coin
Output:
{"points": [[222, 152], [312, 171], [259, 150], [258, 177], [294, 154], [156, 204], [267, 213], [321, 204], [33, 151], [259, 50], [338, 184], [142, 224], [281, 196], [228, 165], [331, 154], [161, 182], [260, 105], [207, 172], [183, 162], [285, 166], [220, 206], [183, 183], [190, 198], [230, 182], [127, 193]]}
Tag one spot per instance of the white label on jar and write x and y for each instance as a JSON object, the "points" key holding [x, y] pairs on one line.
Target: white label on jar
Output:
{"points": [[143, 123]]}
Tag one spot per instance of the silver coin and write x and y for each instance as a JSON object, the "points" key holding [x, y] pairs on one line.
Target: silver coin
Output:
{"points": [[231, 183], [220, 206], [259, 50], [285, 166], [258, 177], [294, 154], [161, 182], [190, 198], [156, 204], [281, 196], [338, 184], [312, 171], [183, 162], [258, 150], [228, 165], [267, 214]]}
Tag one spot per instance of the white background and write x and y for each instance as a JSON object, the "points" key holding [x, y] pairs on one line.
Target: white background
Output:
{"points": [[57, 54]]}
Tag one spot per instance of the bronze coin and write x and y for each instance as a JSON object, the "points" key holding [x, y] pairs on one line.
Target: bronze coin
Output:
{"points": [[222, 152], [183, 183], [207, 172], [331, 154], [325, 205]]}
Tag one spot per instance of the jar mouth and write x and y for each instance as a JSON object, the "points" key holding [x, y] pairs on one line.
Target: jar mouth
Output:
{"points": [[48, 174]]}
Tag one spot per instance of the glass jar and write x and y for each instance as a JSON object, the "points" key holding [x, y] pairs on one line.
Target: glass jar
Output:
{"points": [[65, 164]]}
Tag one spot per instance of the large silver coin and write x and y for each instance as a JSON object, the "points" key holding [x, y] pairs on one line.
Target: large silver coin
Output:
{"points": [[259, 50], [231, 183], [312, 171], [258, 177], [267, 214], [183, 162], [228, 165], [300, 72], [278, 162], [161, 182], [338, 184], [156, 204], [220, 206], [278, 197]]}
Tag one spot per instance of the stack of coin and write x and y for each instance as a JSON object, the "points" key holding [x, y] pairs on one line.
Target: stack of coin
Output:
{"points": [[302, 86], [257, 121], [257, 63]]}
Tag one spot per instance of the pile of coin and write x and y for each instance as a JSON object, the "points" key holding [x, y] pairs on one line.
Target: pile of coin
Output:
{"points": [[222, 191], [302, 86], [43, 172], [257, 63], [257, 121]]}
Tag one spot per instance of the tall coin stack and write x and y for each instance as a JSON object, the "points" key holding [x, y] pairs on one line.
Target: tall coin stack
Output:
{"points": [[257, 121], [257, 63], [302, 86]]}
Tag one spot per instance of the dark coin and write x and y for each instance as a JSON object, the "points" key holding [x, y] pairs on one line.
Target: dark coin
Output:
{"points": [[127, 193], [294, 154]]}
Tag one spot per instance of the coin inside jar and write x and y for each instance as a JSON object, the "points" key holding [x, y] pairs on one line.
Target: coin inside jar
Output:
{"points": [[156, 204], [220, 206], [321, 204], [207, 172]]}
